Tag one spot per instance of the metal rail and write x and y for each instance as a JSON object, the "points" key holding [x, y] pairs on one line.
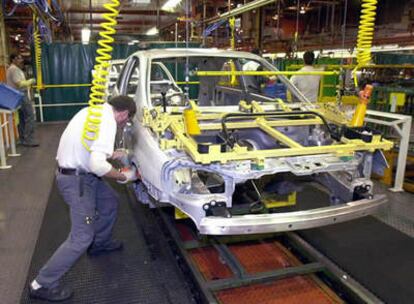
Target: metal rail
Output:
{"points": [[401, 124], [9, 141], [317, 264], [240, 10]]}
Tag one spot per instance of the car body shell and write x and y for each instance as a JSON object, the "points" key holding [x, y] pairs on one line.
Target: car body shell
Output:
{"points": [[162, 169]]}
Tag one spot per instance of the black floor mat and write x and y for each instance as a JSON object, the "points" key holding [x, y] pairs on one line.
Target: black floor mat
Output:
{"points": [[378, 256], [134, 275]]}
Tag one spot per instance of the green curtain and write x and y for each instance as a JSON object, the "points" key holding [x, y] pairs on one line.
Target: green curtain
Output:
{"points": [[70, 63]]}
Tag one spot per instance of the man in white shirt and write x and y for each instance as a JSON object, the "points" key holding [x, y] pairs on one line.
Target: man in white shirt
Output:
{"points": [[253, 83], [17, 80], [308, 85], [93, 203]]}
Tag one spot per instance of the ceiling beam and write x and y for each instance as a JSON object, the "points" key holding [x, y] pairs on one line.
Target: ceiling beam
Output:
{"points": [[83, 22], [122, 12]]}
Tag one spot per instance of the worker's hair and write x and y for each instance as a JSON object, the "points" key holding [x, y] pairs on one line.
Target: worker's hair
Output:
{"points": [[256, 51], [308, 58], [13, 56], [122, 102]]}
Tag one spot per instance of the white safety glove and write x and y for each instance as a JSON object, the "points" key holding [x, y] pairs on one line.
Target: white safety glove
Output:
{"points": [[130, 173], [27, 83]]}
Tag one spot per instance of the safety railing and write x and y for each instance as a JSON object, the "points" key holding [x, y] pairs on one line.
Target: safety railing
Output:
{"points": [[402, 125], [8, 141]]}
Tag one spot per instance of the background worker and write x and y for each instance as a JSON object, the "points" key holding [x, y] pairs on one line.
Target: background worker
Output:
{"points": [[308, 85], [17, 80], [253, 83], [93, 203]]}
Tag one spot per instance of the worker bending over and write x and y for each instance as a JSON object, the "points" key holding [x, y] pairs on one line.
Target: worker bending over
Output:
{"points": [[308, 85], [93, 203]]}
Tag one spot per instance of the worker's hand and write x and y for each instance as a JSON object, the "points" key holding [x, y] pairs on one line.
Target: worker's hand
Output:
{"points": [[130, 174], [27, 83], [119, 154]]}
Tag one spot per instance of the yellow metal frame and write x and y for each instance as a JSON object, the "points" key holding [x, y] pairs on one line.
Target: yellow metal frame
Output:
{"points": [[352, 66], [270, 202], [346, 147], [68, 85], [263, 73], [178, 214]]}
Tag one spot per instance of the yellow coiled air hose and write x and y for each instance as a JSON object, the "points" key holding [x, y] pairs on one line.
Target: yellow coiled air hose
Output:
{"points": [[232, 23], [38, 53], [365, 35], [104, 55]]}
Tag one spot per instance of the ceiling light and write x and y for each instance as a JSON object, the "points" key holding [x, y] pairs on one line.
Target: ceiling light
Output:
{"points": [[152, 31], [86, 35], [302, 10], [275, 17], [170, 5]]}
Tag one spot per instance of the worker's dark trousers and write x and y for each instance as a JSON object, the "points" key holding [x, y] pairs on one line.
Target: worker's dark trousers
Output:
{"points": [[26, 121], [93, 210]]}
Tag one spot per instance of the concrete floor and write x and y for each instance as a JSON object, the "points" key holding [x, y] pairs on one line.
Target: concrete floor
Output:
{"points": [[24, 192]]}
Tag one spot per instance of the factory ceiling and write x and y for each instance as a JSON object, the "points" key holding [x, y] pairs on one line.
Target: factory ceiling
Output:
{"points": [[317, 22]]}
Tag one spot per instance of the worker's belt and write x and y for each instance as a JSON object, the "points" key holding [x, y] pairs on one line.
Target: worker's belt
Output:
{"points": [[70, 171]]}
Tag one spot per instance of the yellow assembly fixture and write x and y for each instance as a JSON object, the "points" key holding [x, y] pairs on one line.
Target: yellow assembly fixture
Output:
{"points": [[38, 53], [359, 115], [234, 73], [190, 121], [96, 97], [365, 35]]}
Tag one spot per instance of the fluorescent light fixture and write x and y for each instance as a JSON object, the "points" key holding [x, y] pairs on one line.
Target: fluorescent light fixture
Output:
{"points": [[152, 31], [302, 10], [170, 5], [134, 41], [86, 35]]}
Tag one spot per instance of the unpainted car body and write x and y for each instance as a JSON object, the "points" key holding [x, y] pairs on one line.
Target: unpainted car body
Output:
{"points": [[251, 141]]}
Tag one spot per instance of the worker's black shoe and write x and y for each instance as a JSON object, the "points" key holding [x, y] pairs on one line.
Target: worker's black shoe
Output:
{"points": [[113, 245], [30, 144], [54, 294]]}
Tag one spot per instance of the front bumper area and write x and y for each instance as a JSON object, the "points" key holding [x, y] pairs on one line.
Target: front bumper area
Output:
{"points": [[288, 221]]}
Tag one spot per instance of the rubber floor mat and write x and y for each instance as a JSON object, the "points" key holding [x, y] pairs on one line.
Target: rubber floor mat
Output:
{"points": [[378, 256], [133, 275]]}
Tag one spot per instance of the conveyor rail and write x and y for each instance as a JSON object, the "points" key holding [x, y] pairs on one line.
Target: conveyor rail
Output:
{"points": [[278, 268]]}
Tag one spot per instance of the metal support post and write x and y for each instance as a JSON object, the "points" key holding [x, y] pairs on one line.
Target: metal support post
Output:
{"points": [[8, 123], [395, 120], [402, 155], [12, 138], [3, 164]]}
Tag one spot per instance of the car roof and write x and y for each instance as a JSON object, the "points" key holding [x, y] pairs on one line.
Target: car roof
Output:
{"points": [[198, 52]]}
